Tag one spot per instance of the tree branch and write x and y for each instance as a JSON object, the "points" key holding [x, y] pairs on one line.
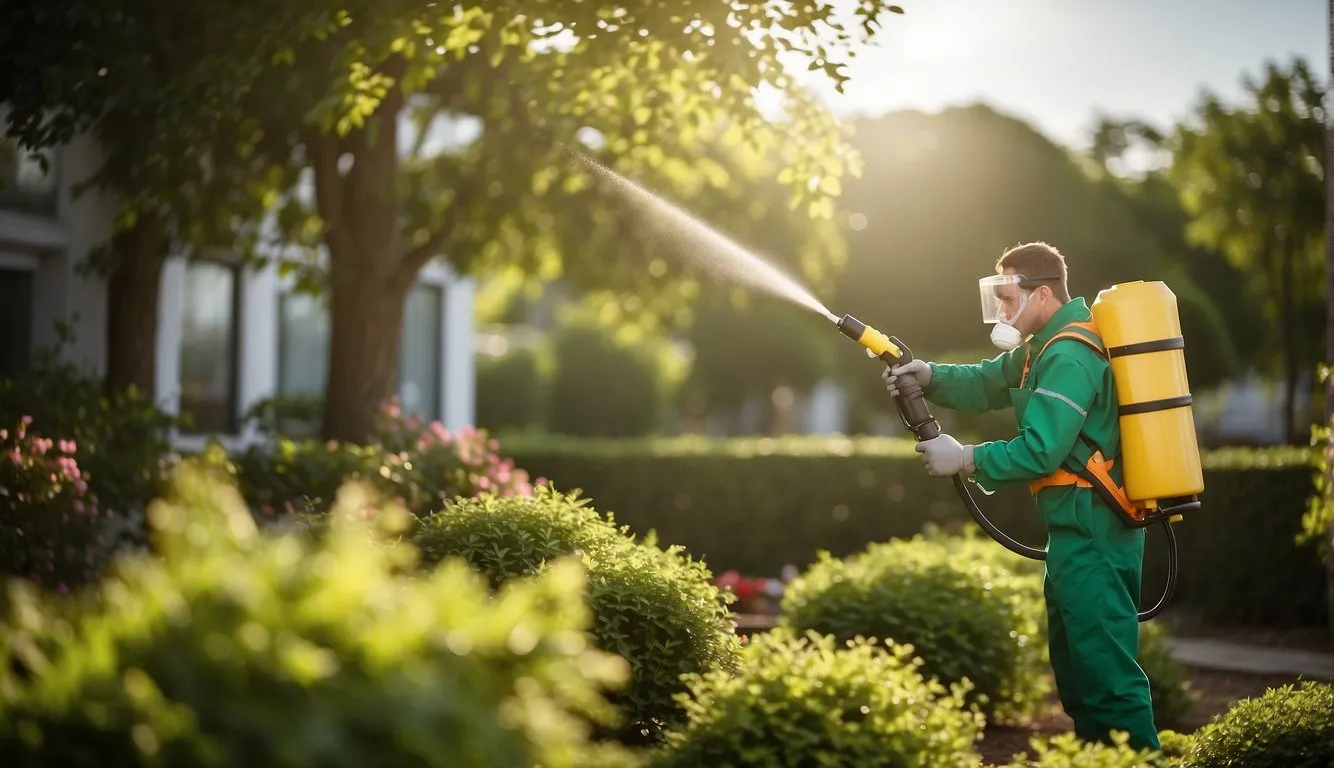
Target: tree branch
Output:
{"points": [[329, 191], [416, 257]]}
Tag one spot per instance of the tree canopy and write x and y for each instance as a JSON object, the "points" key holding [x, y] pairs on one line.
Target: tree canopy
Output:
{"points": [[1251, 177]]}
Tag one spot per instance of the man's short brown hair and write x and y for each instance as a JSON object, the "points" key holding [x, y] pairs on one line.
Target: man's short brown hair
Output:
{"points": [[1038, 261]]}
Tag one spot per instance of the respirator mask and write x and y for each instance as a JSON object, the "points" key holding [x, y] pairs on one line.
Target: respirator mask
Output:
{"points": [[1004, 299]]}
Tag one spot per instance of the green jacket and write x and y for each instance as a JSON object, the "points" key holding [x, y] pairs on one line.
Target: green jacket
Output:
{"points": [[1069, 394]]}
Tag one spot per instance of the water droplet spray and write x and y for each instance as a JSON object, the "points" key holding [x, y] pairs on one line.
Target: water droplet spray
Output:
{"points": [[712, 249]]}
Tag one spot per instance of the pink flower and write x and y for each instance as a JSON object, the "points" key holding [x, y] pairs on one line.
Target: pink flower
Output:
{"points": [[68, 446]]}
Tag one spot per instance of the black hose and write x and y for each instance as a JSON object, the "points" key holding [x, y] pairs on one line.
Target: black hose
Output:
{"points": [[1024, 550]]}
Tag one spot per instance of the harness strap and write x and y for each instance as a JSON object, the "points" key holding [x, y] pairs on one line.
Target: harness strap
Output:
{"points": [[1080, 331], [1096, 473]]}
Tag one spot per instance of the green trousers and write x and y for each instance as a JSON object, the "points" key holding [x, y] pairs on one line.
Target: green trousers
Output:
{"points": [[1092, 588]]}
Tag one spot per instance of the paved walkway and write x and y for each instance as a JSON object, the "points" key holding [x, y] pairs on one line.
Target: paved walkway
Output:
{"points": [[1236, 657]]}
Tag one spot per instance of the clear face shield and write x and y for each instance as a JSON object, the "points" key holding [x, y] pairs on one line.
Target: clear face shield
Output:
{"points": [[1003, 298]]}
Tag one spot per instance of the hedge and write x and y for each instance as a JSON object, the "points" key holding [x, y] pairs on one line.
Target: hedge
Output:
{"points": [[755, 505], [234, 647]]}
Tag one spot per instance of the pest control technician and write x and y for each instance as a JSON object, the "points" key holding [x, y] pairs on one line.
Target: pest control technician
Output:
{"points": [[1065, 402]]}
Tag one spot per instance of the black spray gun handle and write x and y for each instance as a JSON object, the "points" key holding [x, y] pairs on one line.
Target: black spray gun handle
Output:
{"points": [[911, 400]]}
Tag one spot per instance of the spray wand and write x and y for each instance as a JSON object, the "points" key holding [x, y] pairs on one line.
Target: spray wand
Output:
{"points": [[916, 415]]}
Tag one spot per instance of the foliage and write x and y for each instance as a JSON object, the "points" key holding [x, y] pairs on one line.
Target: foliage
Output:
{"points": [[804, 700], [1288, 726], [657, 93], [512, 390], [1068, 751], [1169, 682], [1318, 523], [1251, 176], [967, 620], [605, 386], [1175, 745], [654, 607], [752, 347], [50, 526], [756, 505], [966, 183], [232, 648], [122, 438], [419, 465]]}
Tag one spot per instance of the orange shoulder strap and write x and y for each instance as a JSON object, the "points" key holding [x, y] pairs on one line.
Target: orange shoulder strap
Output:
{"points": [[1080, 331]]}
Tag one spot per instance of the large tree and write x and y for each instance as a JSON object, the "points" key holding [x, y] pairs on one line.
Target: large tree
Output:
{"points": [[1251, 176], [642, 86], [156, 86]]}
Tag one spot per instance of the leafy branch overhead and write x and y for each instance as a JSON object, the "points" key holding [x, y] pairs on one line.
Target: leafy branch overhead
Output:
{"points": [[651, 86]]}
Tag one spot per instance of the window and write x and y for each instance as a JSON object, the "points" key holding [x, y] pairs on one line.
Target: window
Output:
{"points": [[210, 327], [303, 344], [420, 355], [24, 185], [15, 322], [303, 348]]}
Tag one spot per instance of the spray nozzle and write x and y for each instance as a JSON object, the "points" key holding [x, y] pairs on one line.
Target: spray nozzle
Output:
{"points": [[876, 343]]}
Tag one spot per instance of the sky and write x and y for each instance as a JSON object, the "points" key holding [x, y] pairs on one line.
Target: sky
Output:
{"points": [[1054, 62]]}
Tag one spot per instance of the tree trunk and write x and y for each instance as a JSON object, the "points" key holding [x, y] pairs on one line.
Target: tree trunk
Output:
{"points": [[366, 307], [132, 308], [369, 275], [1291, 358]]}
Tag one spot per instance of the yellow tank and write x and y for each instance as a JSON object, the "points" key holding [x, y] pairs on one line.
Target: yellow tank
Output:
{"points": [[1160, 455]]}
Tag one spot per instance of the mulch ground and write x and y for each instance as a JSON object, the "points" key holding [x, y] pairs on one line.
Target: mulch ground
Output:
{"points": [[1216, 692]]}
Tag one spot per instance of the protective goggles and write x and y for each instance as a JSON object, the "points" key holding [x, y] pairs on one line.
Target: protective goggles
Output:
{"points": [[1003, 296]]}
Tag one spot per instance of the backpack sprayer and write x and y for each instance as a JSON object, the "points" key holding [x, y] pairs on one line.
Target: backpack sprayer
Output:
{"points": [[1141, 328]]}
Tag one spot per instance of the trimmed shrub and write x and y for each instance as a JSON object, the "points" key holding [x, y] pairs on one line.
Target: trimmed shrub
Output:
{"points": [[511, 391], [656, 608], [806, 701], [1068, 751], [51, 530], [1292, 726], [233, 648], [1169, 683], [123, 448], [588, 358], [966, 619], [755, 505], [419, 465]]}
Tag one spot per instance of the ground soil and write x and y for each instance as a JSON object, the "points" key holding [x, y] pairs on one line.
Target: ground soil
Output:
{"points": [[1216, 692]]}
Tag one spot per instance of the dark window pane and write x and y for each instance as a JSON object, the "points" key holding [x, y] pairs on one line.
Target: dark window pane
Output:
{"points": [[15, 322], [209, 338]]}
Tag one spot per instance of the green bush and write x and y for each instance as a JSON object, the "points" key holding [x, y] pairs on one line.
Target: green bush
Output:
{"points": [[966, 619], [511, 391], [605, 387], [800, 701], [51, 530], [755, 505], [419, 465], [122, 439], [233, 648], [656, 608], [1169, 683], [1292, 726], [1068, 751]]}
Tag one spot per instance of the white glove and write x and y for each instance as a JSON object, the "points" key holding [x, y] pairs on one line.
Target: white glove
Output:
{"points": [[919, 368], [944, 456]]}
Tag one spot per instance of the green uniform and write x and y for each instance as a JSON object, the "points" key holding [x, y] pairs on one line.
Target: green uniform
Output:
{"points": [[1094, 560]]}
